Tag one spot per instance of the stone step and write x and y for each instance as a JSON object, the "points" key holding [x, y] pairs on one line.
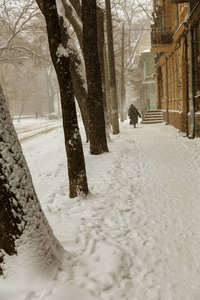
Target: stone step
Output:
{"points": [[152, 110], [154, 113], [155, 110], [153, 117], [152, 122]]}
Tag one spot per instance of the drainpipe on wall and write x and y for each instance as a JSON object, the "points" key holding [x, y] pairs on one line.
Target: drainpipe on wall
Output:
{"points": [[187, 85], [192, 115], [166, 91], [177, 16]]}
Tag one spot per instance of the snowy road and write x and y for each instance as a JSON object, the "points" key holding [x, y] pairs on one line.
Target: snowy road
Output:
{"points": [[136, 236], [39, 127]]}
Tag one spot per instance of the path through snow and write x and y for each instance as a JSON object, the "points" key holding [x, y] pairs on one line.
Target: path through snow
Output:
{"points": [[136, 236]]}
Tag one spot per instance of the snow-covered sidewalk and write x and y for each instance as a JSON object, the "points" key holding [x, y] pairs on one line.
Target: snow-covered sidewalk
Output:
{"points": [[136, 236]]}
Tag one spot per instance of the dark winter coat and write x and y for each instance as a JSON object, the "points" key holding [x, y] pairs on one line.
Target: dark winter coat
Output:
{"points": [[133, 114]]}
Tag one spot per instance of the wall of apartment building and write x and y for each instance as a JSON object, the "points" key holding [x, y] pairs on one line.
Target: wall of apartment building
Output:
{"points": [[177, 59]]}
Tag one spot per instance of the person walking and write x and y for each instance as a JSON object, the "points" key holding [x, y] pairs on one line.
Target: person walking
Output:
{"points": [[133, 114]]}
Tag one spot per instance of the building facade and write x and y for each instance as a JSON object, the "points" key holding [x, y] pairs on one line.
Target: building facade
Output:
{"points": [[175, 42], [148, 82], [143, 82]]}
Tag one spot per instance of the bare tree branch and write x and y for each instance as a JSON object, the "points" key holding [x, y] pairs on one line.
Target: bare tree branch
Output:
{"points": [[145, 11]]}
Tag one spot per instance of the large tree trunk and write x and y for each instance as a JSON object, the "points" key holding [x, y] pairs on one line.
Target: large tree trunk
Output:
{"points": [[77, 78], [77, 6], [60, 58], [26, 239], [74, 21], [100, 40], [98, 143], [123, 91], [111, 60], [81, 97], [107, 85], [78, 82]]}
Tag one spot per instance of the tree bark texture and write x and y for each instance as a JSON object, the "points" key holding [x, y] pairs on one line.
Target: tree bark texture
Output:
{"points": [[81, 97], [69, 13], [112, 73], [77, 6], [76, 163], [22, 222], [98, 142]]}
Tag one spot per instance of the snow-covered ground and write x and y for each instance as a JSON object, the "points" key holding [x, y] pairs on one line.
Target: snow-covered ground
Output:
{"points": [[136, 236]]}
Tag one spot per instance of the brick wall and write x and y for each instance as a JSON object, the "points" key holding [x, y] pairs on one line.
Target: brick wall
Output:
{"points": [[176, 119]]}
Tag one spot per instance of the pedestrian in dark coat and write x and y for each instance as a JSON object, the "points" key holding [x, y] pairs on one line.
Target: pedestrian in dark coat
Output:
{"points": [[133, 114]]}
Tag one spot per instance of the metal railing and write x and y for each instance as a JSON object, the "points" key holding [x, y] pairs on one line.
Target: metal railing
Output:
{"points": [[159, 36], [145, 108]]}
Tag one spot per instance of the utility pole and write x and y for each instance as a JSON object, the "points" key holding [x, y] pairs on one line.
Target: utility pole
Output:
{"points": [[123, 99], [111, 60]]}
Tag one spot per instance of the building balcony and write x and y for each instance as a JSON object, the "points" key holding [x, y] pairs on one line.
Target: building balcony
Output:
{"points": [[160, 40]]}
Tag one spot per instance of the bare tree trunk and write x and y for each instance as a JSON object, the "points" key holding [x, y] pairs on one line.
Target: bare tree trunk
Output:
{"points": [[81, 97], [100, 41], [78, 83], [98, 142], [107, 85], [123, 100], [23, 224], [69, 14], [111, 60], [77, 80], [77, 6], [76, 164], [50, 92]]}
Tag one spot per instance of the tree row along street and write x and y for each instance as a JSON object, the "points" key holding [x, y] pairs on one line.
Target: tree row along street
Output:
{"points": [[55, 54], [110, 211]]}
